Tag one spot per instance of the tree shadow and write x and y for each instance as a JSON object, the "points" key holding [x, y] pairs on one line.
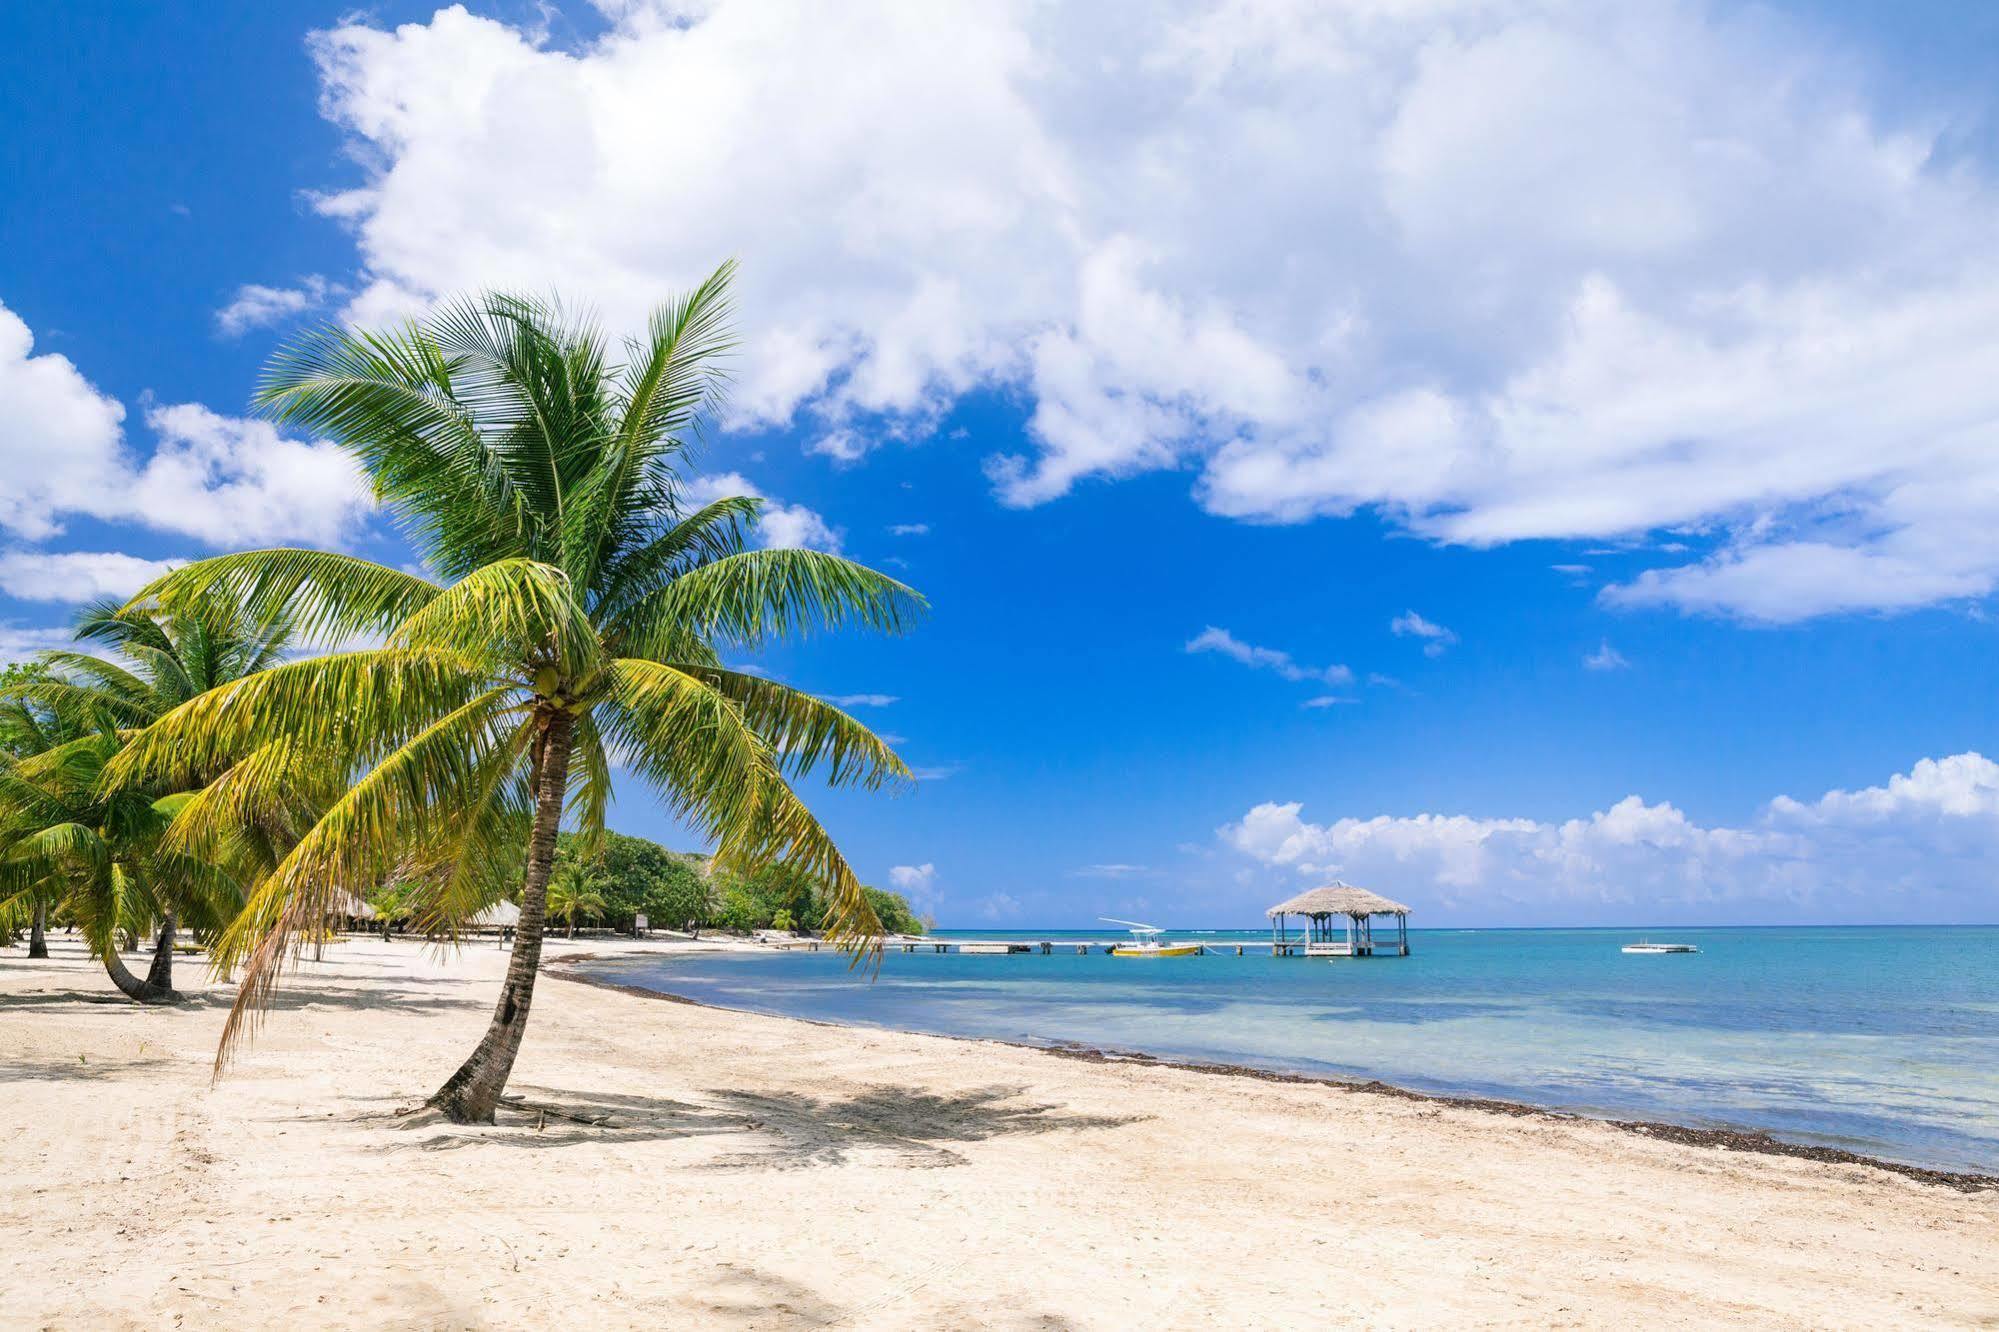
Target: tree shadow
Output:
{"points": [[296, 999], [748, 1297], [57, 998], [911, 1129], [548, 1118], [80, 1069], [739, 1295], [894, 1125]]}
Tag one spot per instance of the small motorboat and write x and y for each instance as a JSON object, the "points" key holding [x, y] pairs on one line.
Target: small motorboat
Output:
{"points": [[1145, 942], [1645, 946]]}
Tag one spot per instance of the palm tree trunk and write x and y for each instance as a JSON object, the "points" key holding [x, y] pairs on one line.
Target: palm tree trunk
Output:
{"points": [[161, 974], [38, 944], [144, 992], [471, 1094]]}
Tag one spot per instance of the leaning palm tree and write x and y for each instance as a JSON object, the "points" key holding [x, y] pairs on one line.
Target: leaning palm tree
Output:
{"points": [[67, 836], [573, 627]]}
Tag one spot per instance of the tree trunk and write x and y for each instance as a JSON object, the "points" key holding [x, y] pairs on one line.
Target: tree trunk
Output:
{"points": [[471, 1094], [38, 944], [572, 927], [161, 974], [144, 992]]}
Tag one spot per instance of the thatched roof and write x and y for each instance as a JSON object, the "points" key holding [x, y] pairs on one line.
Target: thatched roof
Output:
{"points": [[499, 915], [1338, 899], [350, 904]]}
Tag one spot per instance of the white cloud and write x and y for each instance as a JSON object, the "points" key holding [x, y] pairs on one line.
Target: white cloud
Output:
{"points": [[999, 906], [1327, 701], [19, 642], [913, 878], [842, 446], [1212, 639], [937, 772], [1109, 871], [909, 529], [223, 480], [257, 306], [230, 481], [1701, 281], [917, 884], [75, 576], [1919, 848], [1435, 637], [1605, 658], [781, 525], [61, 438], [860, 700]]}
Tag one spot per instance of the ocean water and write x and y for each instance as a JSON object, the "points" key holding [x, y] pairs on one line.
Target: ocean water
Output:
{"points": [[1878, 1040]]}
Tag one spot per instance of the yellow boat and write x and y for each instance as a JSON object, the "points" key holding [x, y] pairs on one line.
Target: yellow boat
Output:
{"points": [[1146, 948], [1146, 942]]}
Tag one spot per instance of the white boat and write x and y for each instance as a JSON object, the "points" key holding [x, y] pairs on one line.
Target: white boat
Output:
{"points": [[1647, 947], [1145, 941]]}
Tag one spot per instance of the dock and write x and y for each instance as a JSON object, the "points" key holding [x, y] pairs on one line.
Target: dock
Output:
{"points": [[1045, 947]]}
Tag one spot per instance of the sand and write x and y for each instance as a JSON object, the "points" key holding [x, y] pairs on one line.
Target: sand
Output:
{"points": [[745, 1171]]}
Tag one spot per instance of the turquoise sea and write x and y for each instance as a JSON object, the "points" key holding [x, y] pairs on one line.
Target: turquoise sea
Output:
{"points": [[1877, 1040]]}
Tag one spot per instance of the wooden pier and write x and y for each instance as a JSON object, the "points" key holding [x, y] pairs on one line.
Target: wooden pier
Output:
{"points": [[1292, 946]]}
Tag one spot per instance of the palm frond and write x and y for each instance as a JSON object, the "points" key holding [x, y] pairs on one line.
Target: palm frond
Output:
{"points": [[348, 705], [356, 844], [806, 732], [753, 597], [313, 595]]}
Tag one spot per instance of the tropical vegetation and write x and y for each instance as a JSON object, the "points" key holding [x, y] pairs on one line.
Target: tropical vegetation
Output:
{"points": [[122, 859], [567, 630]]}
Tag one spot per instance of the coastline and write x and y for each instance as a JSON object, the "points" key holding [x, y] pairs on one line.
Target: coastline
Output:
{"points": [[568, 968], [687, 1165]]}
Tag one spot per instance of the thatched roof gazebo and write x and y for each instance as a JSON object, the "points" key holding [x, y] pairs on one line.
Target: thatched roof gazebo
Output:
{"points": [[1354, 909]]}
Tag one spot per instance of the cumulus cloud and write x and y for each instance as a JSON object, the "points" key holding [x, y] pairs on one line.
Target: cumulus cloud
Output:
{"points": [[999, 906], [257, 306], [1436, 638], [1918, 848], [1605, 658], [61, 439], [1496, 269], [780, 525], [75, 576], [913, 878], [18, 642], [842, 446], [230, 481], [1212, 639], [220, 479]]}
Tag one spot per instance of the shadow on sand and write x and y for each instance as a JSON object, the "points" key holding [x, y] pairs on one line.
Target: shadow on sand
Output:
{"points": [[788, 1130], [739, 1295], [81, 1069]]}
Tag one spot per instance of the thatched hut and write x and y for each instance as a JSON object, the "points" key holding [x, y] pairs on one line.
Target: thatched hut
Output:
{"points": [[1339, 922]]}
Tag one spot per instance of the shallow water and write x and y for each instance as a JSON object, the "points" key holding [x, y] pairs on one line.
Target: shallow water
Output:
{"points": [[1878, 1040]]}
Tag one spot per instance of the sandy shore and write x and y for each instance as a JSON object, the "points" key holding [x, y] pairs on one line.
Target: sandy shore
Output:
{"points": [[682, 1166]]}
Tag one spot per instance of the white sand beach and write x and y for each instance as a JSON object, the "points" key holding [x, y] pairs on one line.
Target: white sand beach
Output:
{"points": [[687, 1167]]}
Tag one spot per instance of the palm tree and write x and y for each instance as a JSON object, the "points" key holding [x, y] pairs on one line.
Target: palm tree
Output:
{"points": [[101, 850], [107, 852], [26, 728], [572, 892], [574, 626]]}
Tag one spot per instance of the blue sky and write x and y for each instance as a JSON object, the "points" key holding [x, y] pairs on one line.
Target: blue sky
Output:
{"points": [[1637, 364]]}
